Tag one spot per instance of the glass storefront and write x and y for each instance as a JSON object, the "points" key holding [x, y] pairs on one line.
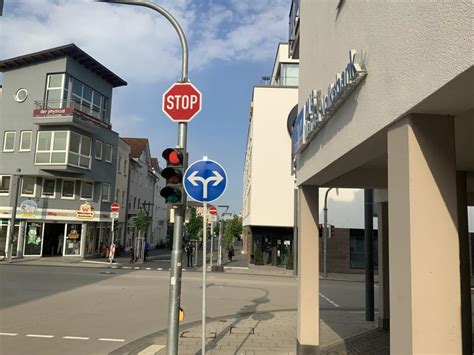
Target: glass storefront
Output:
{"points": [[73, 239], [3, 235], [33, 239]]}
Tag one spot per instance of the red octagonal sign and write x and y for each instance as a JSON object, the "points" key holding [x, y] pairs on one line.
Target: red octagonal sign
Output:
{"points": [[182, 102]]}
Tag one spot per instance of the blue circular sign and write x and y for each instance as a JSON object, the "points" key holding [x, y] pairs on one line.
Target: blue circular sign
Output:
{"points": [[205, 180]]}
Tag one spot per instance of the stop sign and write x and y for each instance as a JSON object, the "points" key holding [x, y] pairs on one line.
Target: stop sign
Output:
{"points": [[115, 207], [181, 102], [213, 210]]}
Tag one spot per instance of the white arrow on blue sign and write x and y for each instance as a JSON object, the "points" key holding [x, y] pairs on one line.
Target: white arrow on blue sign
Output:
{"points": [[205, 180]]}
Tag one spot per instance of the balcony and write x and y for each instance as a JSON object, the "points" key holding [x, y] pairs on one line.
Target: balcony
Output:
{"points": [[67, 112], [294, 30]]}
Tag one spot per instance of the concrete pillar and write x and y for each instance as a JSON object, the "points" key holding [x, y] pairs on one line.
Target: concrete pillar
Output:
{"points": [[383, 272], [425, 298], [83, 240], [465, 264], [308, 271]]}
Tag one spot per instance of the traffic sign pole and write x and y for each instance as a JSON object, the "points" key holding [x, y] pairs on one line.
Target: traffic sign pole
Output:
{"points": [[212, 244], [204, 274]]}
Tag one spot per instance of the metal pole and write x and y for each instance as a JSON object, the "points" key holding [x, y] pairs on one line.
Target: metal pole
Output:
{"points": [[111, 255], [176, 256], [219, 244], [369, 254], [15, 188], [212, 244], [325, 235], [204, 270]]}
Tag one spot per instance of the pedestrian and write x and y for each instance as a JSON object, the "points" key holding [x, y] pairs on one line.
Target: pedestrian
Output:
{"points": [[146, 247], [189, 253], [132, 255], [231, 252], [60, 244]]}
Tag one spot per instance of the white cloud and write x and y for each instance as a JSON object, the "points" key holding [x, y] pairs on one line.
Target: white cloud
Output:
{"points": [[141, 46]]}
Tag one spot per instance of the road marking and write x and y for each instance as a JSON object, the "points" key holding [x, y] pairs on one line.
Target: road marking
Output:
{"points": [[110, 339], [148, 268], [137, 268], [9, 334], [76, 338], [114, 267], [152, 349], [39, 336], [126, 267], [184, 269], [95, 262], [329, 300], [159, 268]]}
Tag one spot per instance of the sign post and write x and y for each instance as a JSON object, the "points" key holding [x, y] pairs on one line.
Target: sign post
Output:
{"points": [[114, 208], [204, 181]]}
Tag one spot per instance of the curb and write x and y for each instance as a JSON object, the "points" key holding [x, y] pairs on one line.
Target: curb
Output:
{"points": [[134, 347]]}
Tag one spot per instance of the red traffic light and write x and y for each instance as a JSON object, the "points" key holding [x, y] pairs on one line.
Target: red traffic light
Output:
{"points": [[173, 156]]}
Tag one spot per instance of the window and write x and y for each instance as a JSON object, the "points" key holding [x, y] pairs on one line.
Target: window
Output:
{"points": [[25, 141], [51, 147], [119, 163], [9, 141], [105, 192], [125, 167], [98, 149], [108, 153], [49, 188], [55, 96], [123, 198], [28, 186], [80, 151], [87, 190], [68, 189], [117, 195], [134, 202], [289, 74], [4, 184], [88, 100]]}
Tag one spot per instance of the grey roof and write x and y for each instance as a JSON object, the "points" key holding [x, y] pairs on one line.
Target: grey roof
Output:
{"points": [[70, 50]]}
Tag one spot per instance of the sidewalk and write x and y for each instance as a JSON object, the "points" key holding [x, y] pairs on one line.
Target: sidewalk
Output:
{"points": [[271, 332]]}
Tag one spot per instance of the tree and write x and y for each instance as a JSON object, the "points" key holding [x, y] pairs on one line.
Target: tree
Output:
{"points": [[194, 226], [142, 221], [233, 230]]}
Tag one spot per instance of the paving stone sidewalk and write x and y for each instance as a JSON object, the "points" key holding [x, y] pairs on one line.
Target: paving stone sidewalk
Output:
{"points": [[271, 332]]}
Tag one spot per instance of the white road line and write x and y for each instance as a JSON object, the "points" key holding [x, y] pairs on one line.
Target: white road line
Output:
{"points": [[148, 268], [76, 338], [329, 300], [39, 336], [9, 334], [159, 268], [126, 267], [137, 268], [95, 262], [114, 267], [110, 339], [184, 269]]}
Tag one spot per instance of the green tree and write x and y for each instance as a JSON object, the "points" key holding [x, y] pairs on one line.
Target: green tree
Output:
{"points": [[142, 222], [233, 229], [194, 226]]}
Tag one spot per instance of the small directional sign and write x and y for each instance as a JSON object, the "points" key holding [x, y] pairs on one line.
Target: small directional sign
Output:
{"points": [[205, 180]]}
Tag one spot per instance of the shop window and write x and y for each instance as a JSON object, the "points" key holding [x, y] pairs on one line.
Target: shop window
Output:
{"points": [[25, 141], [73, 239], [49, 188], [4, 184], [108, 153], [3, 235], [28, 186], [51, 147], [68, 189], [105, 192], [33, 239], [9, 141], [87, 190], [98, 149]]}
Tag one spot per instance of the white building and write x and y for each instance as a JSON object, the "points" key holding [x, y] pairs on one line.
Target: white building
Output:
{"points": [[386, 102], [121, 186], [268, 216]]}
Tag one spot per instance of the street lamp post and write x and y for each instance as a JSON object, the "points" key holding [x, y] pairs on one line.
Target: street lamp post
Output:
{"points": [[176, 256], [325, 233]]}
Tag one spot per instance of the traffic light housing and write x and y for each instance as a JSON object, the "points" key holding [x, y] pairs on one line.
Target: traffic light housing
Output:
{"points": [[320, 229], [333, 230], [173, 173]]}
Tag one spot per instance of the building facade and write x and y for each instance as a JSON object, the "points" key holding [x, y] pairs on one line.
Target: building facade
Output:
{"points": [[160, 209], [268, 182], [58, 151], [121, 189], [385, 102]]}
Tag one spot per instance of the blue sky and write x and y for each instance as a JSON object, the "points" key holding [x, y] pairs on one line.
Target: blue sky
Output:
{"points": [[232, 44]]}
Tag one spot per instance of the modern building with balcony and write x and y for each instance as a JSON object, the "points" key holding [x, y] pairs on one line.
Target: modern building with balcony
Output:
{"points": [[57, 141], [268, 216], [385, 102]]}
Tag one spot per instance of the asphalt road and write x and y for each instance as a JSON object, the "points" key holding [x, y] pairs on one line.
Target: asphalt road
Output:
{"points": [[73, 310]]}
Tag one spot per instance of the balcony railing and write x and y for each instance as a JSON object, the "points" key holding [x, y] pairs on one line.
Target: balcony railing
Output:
{"points": [[279, 80], [293, 28], [49, 108]]}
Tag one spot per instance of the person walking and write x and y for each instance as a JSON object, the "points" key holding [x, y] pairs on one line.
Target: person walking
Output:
{"points": [[189, 253], [132, 255], [146, 248], [230, 255]]}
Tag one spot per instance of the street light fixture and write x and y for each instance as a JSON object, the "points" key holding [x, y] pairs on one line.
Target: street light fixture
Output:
{"points": [[176, 256]]}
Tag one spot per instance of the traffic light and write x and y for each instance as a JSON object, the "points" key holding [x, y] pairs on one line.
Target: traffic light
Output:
{"points": [[173, 173], [333, 230], [320, 229]]}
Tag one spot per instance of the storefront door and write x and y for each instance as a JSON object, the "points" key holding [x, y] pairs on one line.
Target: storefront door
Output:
{"points": [[33, 239]]}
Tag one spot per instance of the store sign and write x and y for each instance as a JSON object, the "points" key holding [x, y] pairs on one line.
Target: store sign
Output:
{"points": [[319, 107], [28, 209], [85, 211], [73, 234]]}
